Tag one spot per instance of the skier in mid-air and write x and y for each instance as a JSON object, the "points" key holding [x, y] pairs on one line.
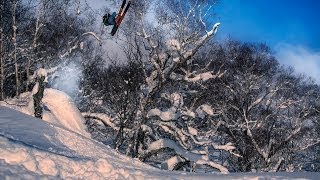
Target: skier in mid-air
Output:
{"points": [[116, 19], [109, 19]]}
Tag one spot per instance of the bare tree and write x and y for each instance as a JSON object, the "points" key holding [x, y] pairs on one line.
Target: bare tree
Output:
{"points": [[38, 25], [264, 112], [1, 54], [161, 117], [14, 41], [196, 102]]}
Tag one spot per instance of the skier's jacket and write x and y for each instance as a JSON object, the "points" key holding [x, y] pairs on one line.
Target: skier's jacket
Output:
{"points": [[109, 19]]}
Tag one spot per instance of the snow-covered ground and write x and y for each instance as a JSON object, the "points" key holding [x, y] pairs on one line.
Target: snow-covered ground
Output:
{"points": [[59, 148]]}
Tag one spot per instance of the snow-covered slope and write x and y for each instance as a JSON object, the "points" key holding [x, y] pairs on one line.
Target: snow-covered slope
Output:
{"points": [[45, 149], [59, 109], [58, 147], [30, 148]]}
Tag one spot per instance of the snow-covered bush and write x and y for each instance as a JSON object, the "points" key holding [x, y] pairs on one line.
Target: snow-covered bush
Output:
{"points": [[269, 113], [195, 102], [154, 106]]}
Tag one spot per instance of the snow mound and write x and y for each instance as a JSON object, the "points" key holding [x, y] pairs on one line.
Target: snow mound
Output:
{"points": [[59, 109], [62, 111]]}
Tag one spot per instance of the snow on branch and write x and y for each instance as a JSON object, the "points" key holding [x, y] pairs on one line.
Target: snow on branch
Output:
{"points": [[209, 34], [188, 54], [169, 115], [196, 78], [185, 54], [191, 156], [106, 120], [176, 111], [221, 168], [172, 113], [192, 131], [92, 34], [203, 76], [172, 162], [180, 135], [173, 44], [76, 46], [316, 141], [204, 110], [175, 98], [226, 147], [79, 44]]}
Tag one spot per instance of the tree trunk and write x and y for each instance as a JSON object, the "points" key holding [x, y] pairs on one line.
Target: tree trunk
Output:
{"points": [[1, 53], [119, 137], [14, 40], [34, 46], [28, 73]]}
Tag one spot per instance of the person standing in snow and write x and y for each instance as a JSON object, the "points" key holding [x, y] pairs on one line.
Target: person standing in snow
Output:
{"points": [[41, 82]]}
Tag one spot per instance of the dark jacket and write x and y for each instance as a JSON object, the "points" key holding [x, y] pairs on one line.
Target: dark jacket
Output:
{"points": [[109, 19]]}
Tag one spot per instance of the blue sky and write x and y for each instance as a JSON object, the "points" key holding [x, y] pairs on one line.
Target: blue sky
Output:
{"points": [[290, 27], [272, 21]]}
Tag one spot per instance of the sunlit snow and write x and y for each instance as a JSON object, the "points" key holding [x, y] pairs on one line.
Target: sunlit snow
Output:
{"points": [[59, 148]]}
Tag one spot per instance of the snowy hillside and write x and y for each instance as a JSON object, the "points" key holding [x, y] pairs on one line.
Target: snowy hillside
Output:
{"points": [[30, 148], [46, 149], [58, 109]]}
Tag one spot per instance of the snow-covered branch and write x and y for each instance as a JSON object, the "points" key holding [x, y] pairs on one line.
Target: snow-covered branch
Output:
{"points": [[192, 133], [206, 37], [105, 119], [70, 50], [185, 54], [190, 53], [169, 115], [191, 77], [176, 132], [78, 44], [196, 158], [203, 77], [172, 162], [92, 34], [226, 147]]}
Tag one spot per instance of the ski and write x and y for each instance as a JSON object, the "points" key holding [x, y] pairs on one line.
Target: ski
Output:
{"points": [[120, 16]]}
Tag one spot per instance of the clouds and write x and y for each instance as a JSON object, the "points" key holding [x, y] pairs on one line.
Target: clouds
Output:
{"points": [[301, 58]]}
